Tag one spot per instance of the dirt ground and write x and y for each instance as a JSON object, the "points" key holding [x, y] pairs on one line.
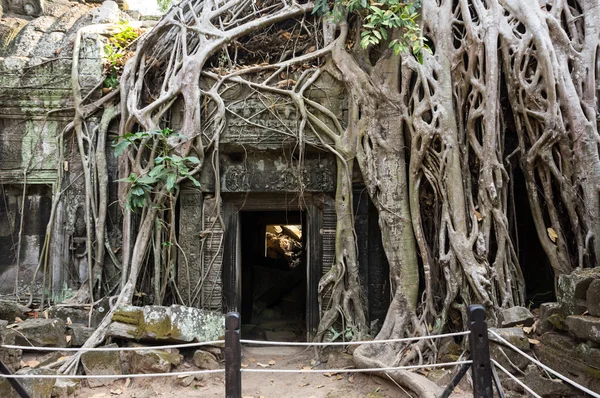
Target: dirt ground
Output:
{"points": [[259, 385]]}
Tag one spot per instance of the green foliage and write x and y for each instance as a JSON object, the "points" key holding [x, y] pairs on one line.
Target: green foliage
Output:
{"points": [[116, 52], [380, 19], [348, 333], [164, 5], [166, 171]]}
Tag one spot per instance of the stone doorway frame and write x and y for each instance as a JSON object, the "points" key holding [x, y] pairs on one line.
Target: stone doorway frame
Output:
{"points": [[233, 204]]}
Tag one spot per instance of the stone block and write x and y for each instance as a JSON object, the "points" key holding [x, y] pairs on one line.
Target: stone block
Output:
{"points": [[563, 354], [547, 387], [584, 327], [37, 388], [572, 289], [176, 324], [516, 316], [10, 357], [65, 388], [506, 356], [101, 363], [79, 334], [593, 298], [37, 333], [9, 310], [546, 311], [205, 360], [153, 361], [76, 315]]}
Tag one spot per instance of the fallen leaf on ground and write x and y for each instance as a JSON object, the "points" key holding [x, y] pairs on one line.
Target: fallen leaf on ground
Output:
{"points": [[534, 341], [527, 329], [116, 391], [32, 364], [244, 365], [320, 386], [351, 379], [251, 360], [272, 362], [262, 365], [306, 367]]}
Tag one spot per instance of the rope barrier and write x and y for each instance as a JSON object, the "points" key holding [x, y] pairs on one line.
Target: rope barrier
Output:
{"points": [[132, 376], [519, 382], [333, 371], [344, 343], [72, 349], [555, 373]]}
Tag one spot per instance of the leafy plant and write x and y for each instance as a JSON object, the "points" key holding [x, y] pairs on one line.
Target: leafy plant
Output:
{"points": [[166, 171], [380, 19], [348, 333], [116, 52]]}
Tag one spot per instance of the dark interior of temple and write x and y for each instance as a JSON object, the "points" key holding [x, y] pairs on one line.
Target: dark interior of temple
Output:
{"points": [[273, 275]]}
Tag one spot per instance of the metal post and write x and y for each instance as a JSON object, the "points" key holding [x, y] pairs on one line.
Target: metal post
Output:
{"points": [[14, 382], [480, 353], [233, 356]]}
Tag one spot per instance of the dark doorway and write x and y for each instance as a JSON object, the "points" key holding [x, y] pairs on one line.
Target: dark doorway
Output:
{"points": [[273, 275], [537, 271]]}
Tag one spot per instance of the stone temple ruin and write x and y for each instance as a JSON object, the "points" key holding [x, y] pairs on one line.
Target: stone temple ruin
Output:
{"points": [[262, 188], [280, 219]]}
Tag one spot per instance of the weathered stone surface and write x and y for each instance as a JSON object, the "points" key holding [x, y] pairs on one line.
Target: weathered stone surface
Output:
{"points": [[584, 327], [101, 363], [107, 13], [49, 358], [516, 316], [9, 310], [205, 360], [37, 333], [37, 388], [572, 289], [153, 361], [546, 311], [171, 324], [580, 362], [79, 334], [10, 357], [593, 298], [547, 388], [65, 388], [505, 355], [76, 315]]}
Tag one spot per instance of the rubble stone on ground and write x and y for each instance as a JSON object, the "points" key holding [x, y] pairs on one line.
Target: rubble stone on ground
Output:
{"points": [[506, 356], [205, 360], [593, 298], [9, 310], [37, 388], [516, 316], [10, 357], [572, 289], [37, 333], [584, 327], [101, 363], [64, 388], [153, 361], [176, 324], [79, 334], [546, 311]]}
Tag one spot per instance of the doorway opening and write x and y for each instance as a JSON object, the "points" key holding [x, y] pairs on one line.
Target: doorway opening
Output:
{"points": [[273, 275]]}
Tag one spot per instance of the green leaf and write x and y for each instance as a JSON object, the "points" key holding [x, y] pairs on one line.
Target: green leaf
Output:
{"points": [[193, 159], [171, 179], [120, 147], [196, 182]]}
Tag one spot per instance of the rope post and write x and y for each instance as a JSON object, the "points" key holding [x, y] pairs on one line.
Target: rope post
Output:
{"points": [[14, 382], [480, 353], [233, 356]]}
